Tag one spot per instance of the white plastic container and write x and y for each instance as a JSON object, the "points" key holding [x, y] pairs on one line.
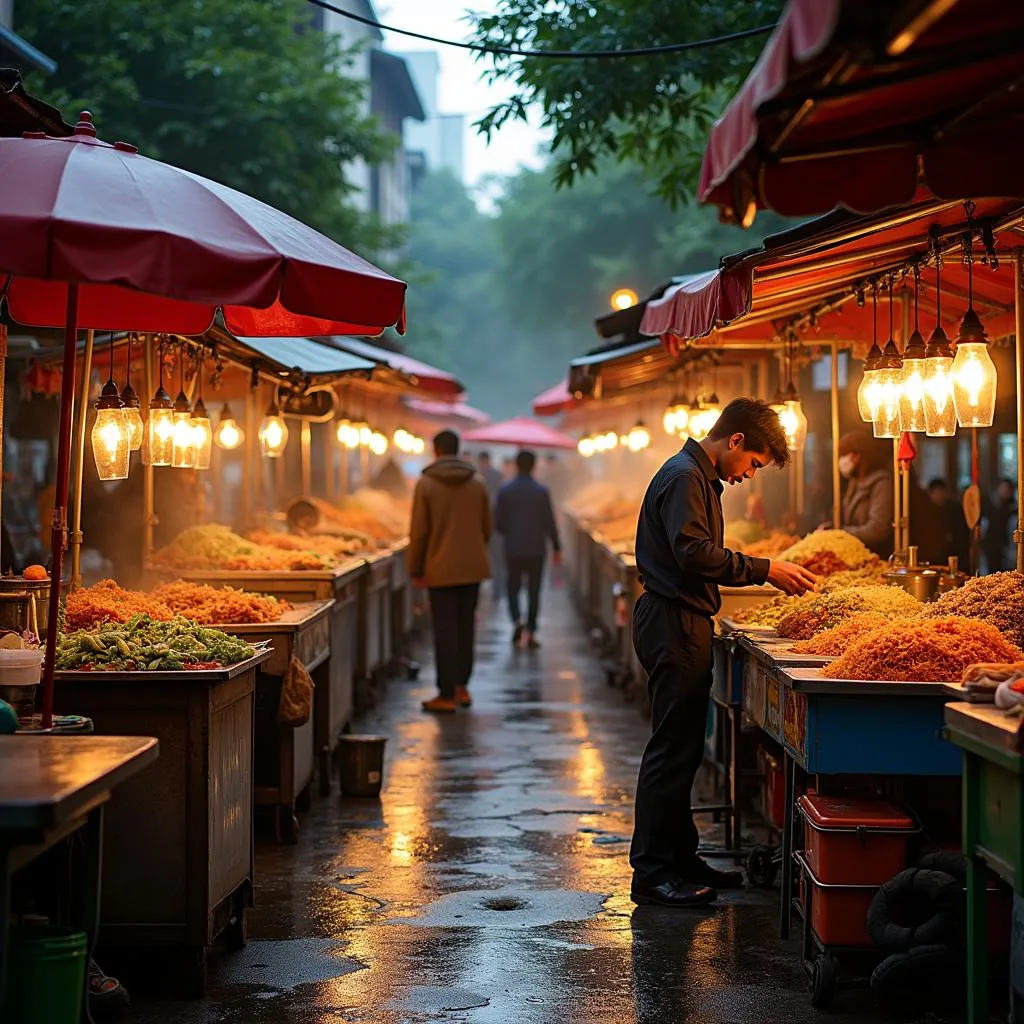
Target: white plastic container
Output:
{"points": [[20, 668]]}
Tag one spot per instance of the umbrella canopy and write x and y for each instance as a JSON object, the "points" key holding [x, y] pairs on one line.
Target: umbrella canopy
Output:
{"points": [[853, 103], [555, 400], [156, 248], [809, 278], [522, 432]]}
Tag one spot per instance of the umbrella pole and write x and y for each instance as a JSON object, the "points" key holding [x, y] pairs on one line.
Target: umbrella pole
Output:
{"points": [[247, 459], [59, 525], [1018, 313], [837, 514], [75, 536], [149, 474], [897, 503]]}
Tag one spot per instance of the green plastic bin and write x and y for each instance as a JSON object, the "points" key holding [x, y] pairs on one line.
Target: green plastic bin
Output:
{"points": [[46, 975]]}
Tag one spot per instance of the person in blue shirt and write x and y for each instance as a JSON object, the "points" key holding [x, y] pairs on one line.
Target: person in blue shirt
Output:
{"points": [[525, 519]]}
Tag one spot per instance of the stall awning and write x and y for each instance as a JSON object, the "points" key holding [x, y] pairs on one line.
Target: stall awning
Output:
{"points": [[616, 368], [426, 377], [858, 103], [554, 400], [300, 356], [811, 279], [447, 411], [521, 432]]}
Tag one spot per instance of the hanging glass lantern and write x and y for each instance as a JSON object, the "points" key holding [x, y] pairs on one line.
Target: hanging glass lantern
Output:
{"points": [[229, 434], [110, 440], [131, 412], [348, 436], [378, 443], [869, 394], [183, 442], [419, 446], [159, 441], [793, 420], [696, 424], [586, 446], [974, 375], [676, 416], [363, 433], [273, 432], [890, 369], [939, 410], [712, 410], [202, 435], [912, 396]]}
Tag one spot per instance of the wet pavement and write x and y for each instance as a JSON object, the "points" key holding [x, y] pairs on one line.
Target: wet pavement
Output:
{"points": [[490, 883]]}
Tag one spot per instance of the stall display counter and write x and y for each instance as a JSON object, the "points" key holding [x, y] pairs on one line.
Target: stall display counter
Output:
{"points": [[403, 618], [820, 725], [374, 650], [53, 787], [992, 744], [333, 704], [178, 854], [285, 755]]}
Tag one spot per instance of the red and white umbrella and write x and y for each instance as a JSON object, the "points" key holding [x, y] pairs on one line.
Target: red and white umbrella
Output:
{"points": [[521, 432]]}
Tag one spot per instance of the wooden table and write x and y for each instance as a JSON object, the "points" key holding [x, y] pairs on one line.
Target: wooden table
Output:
{"points": [[284, 755], [992, 743], [50, 788], [179, 853]]}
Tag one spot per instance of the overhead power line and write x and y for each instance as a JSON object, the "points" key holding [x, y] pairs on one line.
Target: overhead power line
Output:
{"points": [[507, 51]]}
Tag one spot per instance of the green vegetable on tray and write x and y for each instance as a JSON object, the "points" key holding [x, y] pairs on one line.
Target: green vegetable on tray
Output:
{"points": [[145, 644]]}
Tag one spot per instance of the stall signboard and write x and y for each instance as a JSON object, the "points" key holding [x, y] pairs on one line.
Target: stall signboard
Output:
{"points": [[773, 706], [794, 724]]}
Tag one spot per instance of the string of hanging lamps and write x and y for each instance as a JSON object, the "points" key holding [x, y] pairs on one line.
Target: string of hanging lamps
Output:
{"points": [[158, 445], [912, 396], [110, 437], [273, 431], [869, 393], [202, 429], [890, 371], [131, 406], [939, 411]]}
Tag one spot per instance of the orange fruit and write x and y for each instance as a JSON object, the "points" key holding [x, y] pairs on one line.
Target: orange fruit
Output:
{"points": [[36, 572]]}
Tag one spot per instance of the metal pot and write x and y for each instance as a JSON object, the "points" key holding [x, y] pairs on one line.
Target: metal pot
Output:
{"points": [[21, 698], [925, 582], [24, 604]]}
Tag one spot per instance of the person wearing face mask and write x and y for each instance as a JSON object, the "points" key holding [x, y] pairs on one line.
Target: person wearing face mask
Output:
{"points": [[867, 506], [682, 560]]}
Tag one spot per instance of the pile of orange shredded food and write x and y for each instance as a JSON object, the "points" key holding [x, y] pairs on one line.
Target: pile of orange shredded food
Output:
{"points": [[107, 601], [318, 544], [835, 641], [219, 605], [923, 650]]}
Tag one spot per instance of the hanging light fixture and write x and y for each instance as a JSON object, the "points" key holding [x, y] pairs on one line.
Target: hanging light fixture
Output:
{"points": [[378, 443], [676, 416], [202, 430], [402, 440], [273, 432], [696, 424], [939, 410], [348, 436], [868, 392], [229, 434], [912, 412], [110, 436], [183, 443], [974, 373], [890, 370], [791, 414], [159, 441], [638, 438], [131, 407], [586, 446]]}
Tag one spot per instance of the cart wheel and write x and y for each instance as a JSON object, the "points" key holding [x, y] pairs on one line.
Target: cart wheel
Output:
{"points": [[761, 866], [237, 933], [823, 981]]}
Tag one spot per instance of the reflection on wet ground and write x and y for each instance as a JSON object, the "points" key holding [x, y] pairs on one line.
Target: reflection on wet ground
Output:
{"points": [[490, 884]]}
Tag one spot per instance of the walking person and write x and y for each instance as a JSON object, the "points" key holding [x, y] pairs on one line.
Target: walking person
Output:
{"points": [[493, 479], [681, 562], [525, 519], [448, 538]]}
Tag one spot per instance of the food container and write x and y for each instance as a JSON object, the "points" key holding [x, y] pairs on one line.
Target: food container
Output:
{"points": [[854, 842], [24, 604], [925, 582], [19, 677], [839, 914]]}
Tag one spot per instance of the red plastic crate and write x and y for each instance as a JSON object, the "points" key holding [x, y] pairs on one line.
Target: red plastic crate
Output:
{"points": [[774, 793], [838, 916], [854, 842]]}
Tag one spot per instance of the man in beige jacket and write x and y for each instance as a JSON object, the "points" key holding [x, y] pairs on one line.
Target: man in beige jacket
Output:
{"points": [[448, 537]]}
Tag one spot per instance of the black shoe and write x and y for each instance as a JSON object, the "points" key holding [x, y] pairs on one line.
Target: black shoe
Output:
{"points": [[672, 893], [517, 634], [532, 642], [700, 872]]}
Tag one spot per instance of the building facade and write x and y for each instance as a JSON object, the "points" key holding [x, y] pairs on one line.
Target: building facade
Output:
{"points": [[437, 141]]}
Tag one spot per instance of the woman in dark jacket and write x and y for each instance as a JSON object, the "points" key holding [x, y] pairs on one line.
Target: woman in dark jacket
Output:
{"points": [[867, 506]]}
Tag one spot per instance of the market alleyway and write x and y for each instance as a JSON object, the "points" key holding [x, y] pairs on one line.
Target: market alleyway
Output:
{"points": [[490, 884]]}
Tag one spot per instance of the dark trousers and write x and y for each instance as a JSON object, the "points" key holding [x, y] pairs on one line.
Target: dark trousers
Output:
{"points": [[452, 615], [674, 647], [532, 570]]}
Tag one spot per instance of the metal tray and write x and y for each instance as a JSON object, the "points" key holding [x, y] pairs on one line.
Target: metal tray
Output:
{"points": [[809, 680]]}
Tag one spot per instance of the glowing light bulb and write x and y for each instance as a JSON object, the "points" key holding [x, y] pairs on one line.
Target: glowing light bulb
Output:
{"points": [[132, 417], [974, 375], [110, 448], [273, 433], [158, 446], [228, 435], [378, 443]]}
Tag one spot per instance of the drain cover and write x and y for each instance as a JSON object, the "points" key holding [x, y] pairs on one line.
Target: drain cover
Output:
{"points": [[504, 903]]}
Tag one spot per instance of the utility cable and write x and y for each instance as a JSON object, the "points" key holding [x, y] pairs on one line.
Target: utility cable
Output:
{"points": [[506, 51]]}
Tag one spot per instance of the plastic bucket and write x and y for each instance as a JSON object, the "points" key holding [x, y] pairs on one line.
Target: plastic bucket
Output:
{"points": [[361, 765], [20, 668], [46, 975]]}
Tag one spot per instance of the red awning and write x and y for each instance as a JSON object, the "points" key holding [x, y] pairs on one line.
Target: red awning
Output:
{"points": [[427, 377], [698, 304], [521, 432], [555, 400], [808, 278], [850, 102], [447, 411]]}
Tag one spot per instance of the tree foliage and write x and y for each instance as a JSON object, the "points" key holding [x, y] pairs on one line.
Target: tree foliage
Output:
{"points": [[654, 110], [241, 91]]}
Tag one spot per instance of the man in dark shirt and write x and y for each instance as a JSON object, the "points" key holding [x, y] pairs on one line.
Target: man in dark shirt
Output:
{"points": [[525, 519], [681, 563]]}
